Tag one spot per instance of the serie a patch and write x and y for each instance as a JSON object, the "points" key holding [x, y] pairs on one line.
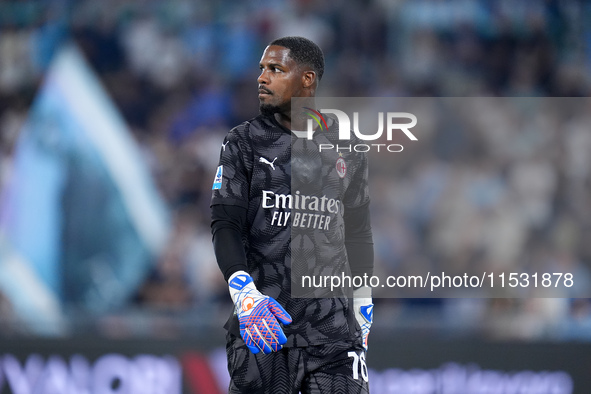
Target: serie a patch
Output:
{"points": [[217, 181]]}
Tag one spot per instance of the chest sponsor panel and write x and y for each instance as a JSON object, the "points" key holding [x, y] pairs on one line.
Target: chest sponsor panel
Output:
{"points": [[299, 210]]}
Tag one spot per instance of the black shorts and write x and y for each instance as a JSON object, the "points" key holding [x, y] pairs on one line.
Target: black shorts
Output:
{"points": [[331, 368]]}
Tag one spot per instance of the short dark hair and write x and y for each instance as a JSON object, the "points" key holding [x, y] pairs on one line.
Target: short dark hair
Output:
{"points": [[304, 52]]}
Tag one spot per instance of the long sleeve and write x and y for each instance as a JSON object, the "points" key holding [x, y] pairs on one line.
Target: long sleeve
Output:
{"points": [[227, 222], [359, 240]]}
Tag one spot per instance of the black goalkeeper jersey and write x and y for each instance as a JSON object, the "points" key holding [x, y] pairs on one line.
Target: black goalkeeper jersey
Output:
{"points": [[295, 198]]}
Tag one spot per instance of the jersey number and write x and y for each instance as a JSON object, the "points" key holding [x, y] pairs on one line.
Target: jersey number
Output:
{"points": [[359, 365]]}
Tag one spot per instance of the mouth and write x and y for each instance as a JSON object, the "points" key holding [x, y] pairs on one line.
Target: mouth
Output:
{"points": [[264, 92]]}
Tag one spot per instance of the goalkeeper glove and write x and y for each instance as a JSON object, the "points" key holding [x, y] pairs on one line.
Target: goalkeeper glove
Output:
{"points": [[257, 315], [363, 306]]}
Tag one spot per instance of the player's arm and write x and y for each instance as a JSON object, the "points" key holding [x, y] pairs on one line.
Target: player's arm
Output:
{"points": [[359, 245], [359, 242], [258, 315]]}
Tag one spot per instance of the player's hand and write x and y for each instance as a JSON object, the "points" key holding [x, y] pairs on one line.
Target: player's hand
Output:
{"points": [[363, 306], [258, 315]]}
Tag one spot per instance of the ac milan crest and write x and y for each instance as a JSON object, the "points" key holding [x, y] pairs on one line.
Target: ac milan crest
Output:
{"points": [[341, 167]]}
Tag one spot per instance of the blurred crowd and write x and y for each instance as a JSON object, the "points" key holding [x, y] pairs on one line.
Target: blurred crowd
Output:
{"points": [[183, 72]]}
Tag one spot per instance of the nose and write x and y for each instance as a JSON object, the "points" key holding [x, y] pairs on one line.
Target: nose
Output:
{"points": [[262, 79]]}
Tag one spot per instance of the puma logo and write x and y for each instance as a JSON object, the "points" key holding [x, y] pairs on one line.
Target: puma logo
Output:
{"points": [[271, 163], [224, 145]]}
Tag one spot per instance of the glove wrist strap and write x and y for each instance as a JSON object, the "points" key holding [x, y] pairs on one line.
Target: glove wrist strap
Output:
{"points": [[238, 283], [362, 292]]}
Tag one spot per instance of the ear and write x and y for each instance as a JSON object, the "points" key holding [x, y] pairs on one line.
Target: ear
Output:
{"points": [[308, 79]]}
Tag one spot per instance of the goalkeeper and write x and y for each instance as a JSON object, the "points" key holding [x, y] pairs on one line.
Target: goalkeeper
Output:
{"points": [[277, 343]]}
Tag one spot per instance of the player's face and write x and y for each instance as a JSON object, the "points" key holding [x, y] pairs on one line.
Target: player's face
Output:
{"points": [[279, 81]]}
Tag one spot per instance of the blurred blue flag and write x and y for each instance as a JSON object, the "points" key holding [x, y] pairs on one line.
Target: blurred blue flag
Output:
{"points": [[80, 209]]}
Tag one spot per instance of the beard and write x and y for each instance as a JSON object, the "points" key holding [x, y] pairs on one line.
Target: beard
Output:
{"points": [[268, 109]]}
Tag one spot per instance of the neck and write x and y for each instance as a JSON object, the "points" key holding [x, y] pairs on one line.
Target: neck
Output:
{"points": [[297, 120], [284, 119]]}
